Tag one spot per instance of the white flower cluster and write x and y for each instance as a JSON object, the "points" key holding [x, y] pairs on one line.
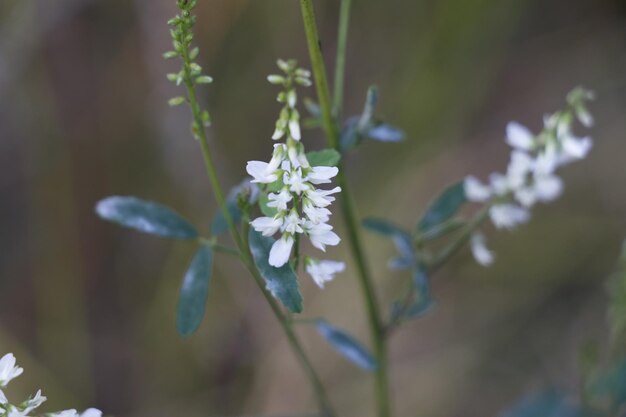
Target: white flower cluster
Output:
{"points": [[8, 371], [291, 183], [531, 173]]}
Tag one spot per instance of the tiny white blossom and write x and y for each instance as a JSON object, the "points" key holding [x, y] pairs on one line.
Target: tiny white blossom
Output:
{"points": [[279, 201], [293, 223], [519, 136], [34, 402], [547, 187], [91, 412], [584, 117], [3, 398], [481, 253], [520, 166], [267, 226], [576, 148], [65, 413], [315, 214], [322, 198], [322, 175], [323, 271], [321, 234], [281, 250], [8, 369], [507, 216], [294, 129], [296, 182], [499, 183], [260, 173], [475, 190]]}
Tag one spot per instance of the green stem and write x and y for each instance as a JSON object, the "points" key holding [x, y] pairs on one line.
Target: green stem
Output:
{"points": [[332, 133], [340, 63], [244, 251]]}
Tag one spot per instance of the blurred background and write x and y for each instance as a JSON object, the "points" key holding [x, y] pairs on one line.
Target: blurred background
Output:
{"points": [[88, 308]]}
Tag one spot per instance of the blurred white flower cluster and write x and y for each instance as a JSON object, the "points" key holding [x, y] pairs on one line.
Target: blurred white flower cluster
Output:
{"points": [[300, 207], [8, 371], [531, 174]]}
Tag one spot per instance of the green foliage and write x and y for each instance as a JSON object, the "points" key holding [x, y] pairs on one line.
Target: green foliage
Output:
{"points": [[550, 403], [194, 292], [145, 216], [265, 209], [325, 157], [219, 225], [446, 205], [400, 237], [347, 346], [281, 282], [367, 126]]}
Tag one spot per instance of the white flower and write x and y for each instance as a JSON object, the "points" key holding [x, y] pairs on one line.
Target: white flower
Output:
{"points": [[261, 173], [267, 226], [526, 196], [576, 148], [322, 198], [294, 125], [296, 182], [507, 216], [321, 174], [520, 166], [65, 413], [323, 271], [281, 250], [518, 136], [480, 251], [475, 190], [91, 412], [34, 402], [584, 116], [279, 201], [547, 187], [321, 234], [3, 398], [499, 183], [293, 223], [8, 369], [315, 214]]}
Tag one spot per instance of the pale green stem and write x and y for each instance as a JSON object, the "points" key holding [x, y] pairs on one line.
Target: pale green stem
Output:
{"points": [[332, 133], [340, 63]]}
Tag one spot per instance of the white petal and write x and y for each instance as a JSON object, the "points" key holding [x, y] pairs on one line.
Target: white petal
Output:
{"points": [[258, 170], [91, 412], [584, 117], [294, 128], [322, 175], [526, 196], [320, 240], [519, 136], [267, 226], [548, 188], [475, 190], [507, 216], [480, 251], [323, 271], [281, 250], [499, 183], [577, 148]]}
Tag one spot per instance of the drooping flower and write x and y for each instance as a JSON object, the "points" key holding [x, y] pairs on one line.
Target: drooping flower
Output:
{"points": [[8, 369], [281, 250], [481, 253], [323, 271]]}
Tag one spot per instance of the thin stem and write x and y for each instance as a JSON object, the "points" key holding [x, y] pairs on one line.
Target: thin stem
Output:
{"points": [[244, 252], [340, 63], [332, 134]]}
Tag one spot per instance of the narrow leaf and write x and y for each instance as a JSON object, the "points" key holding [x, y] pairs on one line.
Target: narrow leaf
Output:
{"points": [[385, 133], [145, 216], [194, 292], [325, 157], [347, 346], [371, 100], [443, 207], [400, 237], [219, 225], [281, 282], [350, 135]]}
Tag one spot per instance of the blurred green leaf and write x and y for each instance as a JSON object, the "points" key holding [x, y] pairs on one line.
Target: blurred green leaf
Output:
{"points": [[268, 211], [384, 132], [347, 346], [610, 386], [219, 225], [281, 282], [145, 216], [550, 403], [325, 157], [400, 237], [194, 292], [367, 117], [443, 207]]}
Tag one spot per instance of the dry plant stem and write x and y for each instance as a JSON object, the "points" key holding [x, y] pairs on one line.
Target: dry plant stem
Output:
{"points": [[244, 251], [332, 133]]}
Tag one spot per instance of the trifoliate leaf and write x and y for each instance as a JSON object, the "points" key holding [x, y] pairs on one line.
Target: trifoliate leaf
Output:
{"points": [[347, 346], [325, 157], [194, 292], [281, 282], [443, 207], [145, 216]]}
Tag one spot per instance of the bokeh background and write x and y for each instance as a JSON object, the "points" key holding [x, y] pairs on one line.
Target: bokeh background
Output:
{"points": [[88, 308]]}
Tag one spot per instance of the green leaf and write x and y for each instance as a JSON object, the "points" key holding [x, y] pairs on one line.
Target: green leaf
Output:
{"points": [[281, 282], [145, 216], [347, 346], [325, 157], [194, 292], [443, 207], [611, 385], [400, 237]]}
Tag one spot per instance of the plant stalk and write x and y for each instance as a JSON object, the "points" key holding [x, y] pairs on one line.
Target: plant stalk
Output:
{"points": [[244, 251], [331, 130]]}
